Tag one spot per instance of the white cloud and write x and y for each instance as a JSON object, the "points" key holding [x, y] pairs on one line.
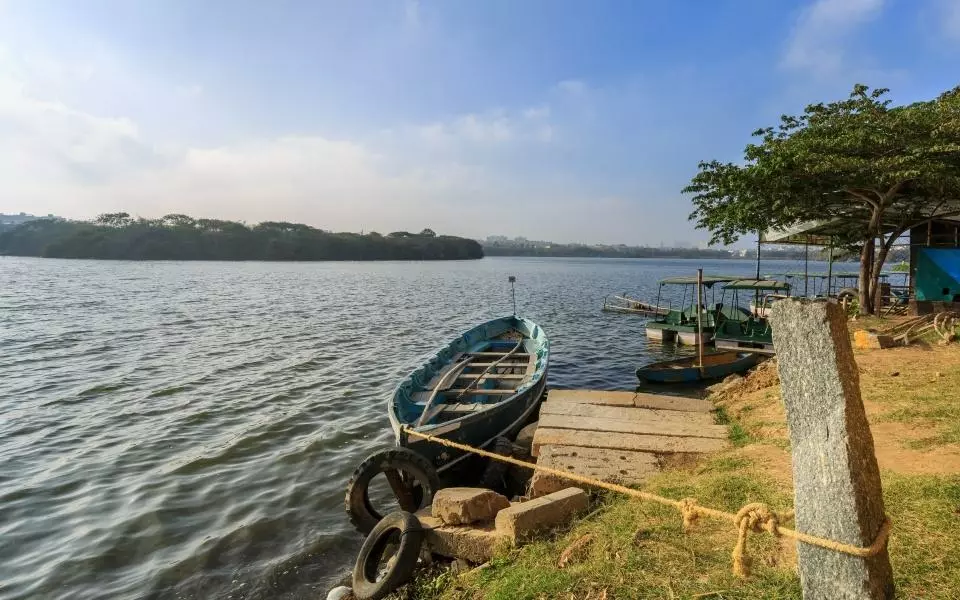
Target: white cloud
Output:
{"points": [[490, 129], [822, 34], [574, 87], [411, 13], [950, 19]]}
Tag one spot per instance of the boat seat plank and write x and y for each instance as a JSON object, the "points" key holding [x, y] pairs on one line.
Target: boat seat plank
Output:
{"points": [[650, 426], [422, 397], [637, 399], [463, 408], [628, 467], [492, 376], [510, 362], [625, 413], [548, 436], [495, 354]]}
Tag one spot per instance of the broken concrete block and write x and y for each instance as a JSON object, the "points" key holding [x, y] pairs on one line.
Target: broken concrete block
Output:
{"points": [[867, 340], [463, 505], [522, 521], [476, 543]]}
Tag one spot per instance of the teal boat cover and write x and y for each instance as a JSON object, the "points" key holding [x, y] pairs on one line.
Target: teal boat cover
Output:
{"points": [[938, 274]]}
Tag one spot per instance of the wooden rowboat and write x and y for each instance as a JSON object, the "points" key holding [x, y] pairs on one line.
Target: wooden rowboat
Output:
{"points": [[716, 365], [626, 304], [486, 383]]}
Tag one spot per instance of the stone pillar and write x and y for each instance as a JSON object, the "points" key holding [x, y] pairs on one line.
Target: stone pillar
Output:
{"points": [[835, 474]]}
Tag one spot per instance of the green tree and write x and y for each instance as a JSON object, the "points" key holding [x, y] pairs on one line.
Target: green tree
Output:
{"points": [[873, 169]]}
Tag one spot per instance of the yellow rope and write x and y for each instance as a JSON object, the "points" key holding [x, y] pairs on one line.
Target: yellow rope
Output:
{"points": [[757, 517]]}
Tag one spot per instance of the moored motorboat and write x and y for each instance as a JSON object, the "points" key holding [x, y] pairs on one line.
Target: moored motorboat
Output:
{"points": [[485, 384], [715, 365]]}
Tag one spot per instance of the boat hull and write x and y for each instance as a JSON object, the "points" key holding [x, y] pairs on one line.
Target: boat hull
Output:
{"points": [[659, 334], [686, 371], [495, 415]]}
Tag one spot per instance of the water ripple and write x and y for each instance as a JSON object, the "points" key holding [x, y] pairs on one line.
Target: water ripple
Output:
{"points": [[185, 430]]}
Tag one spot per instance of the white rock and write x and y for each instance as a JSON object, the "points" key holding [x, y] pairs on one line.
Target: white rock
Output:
{"points": [[340, 593]]}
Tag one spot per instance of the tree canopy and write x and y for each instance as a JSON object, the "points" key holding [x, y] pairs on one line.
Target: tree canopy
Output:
{"points": [[180, 237], [877, 169]]}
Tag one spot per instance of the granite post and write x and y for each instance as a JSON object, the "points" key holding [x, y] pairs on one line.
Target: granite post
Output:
{"points": [[836, 479]]}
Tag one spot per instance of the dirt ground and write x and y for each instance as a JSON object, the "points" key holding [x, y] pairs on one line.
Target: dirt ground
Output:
{"points": [[910, 393]]}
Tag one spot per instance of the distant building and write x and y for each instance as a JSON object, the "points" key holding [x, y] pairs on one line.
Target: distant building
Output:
{"points": [[20, 218]]}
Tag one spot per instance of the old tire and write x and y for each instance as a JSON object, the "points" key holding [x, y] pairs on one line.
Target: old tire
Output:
{"points": [[849, 293], [368, 583], [418, 470]]}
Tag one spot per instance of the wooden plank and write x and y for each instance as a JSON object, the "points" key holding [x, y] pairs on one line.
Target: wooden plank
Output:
{"points": [[651, 426], [487, 354], [480, 392], [624, 413], [493, 376], [546, 436], [638, 399], [626, 466], [510, 362]]}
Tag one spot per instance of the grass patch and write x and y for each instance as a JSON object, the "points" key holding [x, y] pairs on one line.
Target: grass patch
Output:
{"points": [[924, 543], [640, 550]]}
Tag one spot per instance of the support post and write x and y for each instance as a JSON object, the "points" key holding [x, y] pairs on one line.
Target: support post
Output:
{"points": [[700, 319], [830, 271], [806, 267], [835, 474]]}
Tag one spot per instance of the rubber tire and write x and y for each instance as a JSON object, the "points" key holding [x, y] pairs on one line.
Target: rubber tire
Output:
{"points": [[357, 501], [495, 475], [851, 293], [365, 571]]}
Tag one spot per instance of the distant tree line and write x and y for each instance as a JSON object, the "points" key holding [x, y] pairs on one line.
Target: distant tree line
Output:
{"points": [[180, 237], [578, 250]]}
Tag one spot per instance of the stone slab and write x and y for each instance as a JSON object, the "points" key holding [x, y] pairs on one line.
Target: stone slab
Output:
{"points": [[523, 521], [475, 543], [464, 505], [625, 441], [637, 399], [627, 467], [650, 425], [624, 413]]}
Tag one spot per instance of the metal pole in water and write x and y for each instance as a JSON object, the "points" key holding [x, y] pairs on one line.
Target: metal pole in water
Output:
{"points": [[513, 293], [700, 318]]}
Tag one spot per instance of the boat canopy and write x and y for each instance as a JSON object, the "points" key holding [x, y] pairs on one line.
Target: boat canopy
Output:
{"points": [[758, 284], [834, 275], [708, 280]]}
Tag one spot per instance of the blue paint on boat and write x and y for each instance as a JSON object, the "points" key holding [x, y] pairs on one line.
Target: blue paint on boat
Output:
{"points": [[486, 416], [717, 365]]}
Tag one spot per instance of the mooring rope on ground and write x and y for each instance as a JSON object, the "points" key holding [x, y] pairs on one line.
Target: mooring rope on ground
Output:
{"points": [[756, 516]]}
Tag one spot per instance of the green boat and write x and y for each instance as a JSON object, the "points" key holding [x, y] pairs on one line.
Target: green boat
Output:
{"points": [[749, 330], [680, 324]]}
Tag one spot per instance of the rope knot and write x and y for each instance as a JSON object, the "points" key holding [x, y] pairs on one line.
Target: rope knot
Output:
{"points": [[688, 508], [757, 517]]}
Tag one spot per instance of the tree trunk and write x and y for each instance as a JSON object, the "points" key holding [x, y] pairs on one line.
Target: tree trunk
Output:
{"points": [[878, 263], [866, 277]]}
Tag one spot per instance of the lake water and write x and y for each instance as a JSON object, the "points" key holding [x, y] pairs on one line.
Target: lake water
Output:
{"points": [[186, 430]]}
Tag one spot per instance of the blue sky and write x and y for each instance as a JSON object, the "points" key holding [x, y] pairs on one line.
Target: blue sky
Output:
{"points": [[571, 121]]}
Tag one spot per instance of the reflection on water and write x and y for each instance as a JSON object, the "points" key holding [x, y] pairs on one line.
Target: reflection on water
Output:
{"points": [[187, 429]]}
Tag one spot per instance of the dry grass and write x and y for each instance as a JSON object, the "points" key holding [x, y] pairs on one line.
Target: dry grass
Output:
{"points": [[640, 551]]}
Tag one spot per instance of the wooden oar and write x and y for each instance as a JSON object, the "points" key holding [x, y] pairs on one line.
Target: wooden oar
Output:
{"points": [[456, 369], [490, 368]]}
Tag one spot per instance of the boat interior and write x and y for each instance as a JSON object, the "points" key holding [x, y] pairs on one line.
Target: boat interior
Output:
{"points": [[473, 374]]}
